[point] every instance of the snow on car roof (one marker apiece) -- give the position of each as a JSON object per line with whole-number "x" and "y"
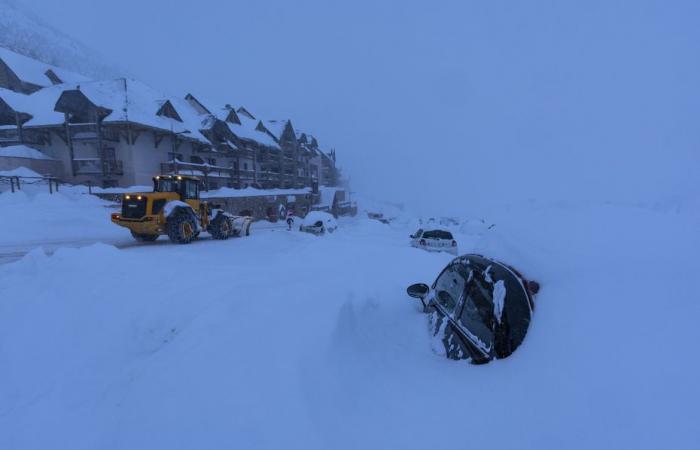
{"x": 315, "y": 216}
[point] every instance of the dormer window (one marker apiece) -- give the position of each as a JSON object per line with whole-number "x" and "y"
{"x": 168, "y": 110}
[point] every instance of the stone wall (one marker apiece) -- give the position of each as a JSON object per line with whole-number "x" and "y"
{"x": 266, "y": 207}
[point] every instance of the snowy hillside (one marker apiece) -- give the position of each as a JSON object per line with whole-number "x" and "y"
{"x": 24, "y": 33}
{"x": 287, "y": 340}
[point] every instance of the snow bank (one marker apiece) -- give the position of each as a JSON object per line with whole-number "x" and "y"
{"x": 34, "y": 217}
{"x": 22, "y": 151}
{"x": 20, "y": 172}
{"x": 317, "y": 340}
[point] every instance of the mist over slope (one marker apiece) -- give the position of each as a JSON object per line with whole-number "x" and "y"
{"x": 23, "y": 32}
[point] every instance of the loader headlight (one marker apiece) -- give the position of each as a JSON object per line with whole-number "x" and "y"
{"x": 139, "y": 197}
{"x": 128, "y": 197}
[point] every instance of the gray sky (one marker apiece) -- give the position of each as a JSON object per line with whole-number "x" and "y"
{"x": 516, "y": 99}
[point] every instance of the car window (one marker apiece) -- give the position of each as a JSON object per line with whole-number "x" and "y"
{"x": 418, "y": 233}
{"x": 449, "y": 288}
{"x": 438, "y": 234}
{"x": 477, "y": 310}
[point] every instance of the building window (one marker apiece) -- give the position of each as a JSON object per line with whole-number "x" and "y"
{"x": 245, "y": 166}
{"x": 211, "y": 161}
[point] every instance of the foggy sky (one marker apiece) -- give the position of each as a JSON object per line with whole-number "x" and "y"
{"x": 435, "y": 101}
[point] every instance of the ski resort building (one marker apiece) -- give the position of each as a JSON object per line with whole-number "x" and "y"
{"x": 121, "y": 132}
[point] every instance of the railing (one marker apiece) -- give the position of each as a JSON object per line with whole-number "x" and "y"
{"x": 94, "y": 166}
{"x": 88, "y": 132}
{"x": 16, "y": 182}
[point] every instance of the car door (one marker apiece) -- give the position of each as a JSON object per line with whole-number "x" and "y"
{"x": 448, "y": 290}
{"x": 475, "y": 318}
{"x": 446, "y": 298}
{"x": 452, "y": 295}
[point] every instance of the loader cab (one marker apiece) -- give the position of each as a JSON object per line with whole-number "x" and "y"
{"x": 186, "y": 187}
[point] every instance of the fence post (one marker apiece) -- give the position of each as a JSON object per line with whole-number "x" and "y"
{"x": 89, "y": 183}
{"x": 50, "y": 187}
{"x": 19, "y": 188}
{"x": 12, "y": 185}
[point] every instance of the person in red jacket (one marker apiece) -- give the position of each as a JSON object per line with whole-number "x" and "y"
{"x": 290, "y": 219}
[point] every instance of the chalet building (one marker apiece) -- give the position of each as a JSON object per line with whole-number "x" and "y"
{"x": 121, "y": 132}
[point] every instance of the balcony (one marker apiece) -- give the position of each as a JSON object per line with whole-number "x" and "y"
{"x": 95, "y": 166}
{"x": 87, "y": 132}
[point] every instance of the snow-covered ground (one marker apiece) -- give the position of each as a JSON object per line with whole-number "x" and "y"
{"x": 287, "y": 340}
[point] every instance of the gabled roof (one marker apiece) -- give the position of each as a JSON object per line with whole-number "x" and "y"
{"x": 168, "y": 110}
{"x": 12, "y": 107}
{"x": 74, "y": 101}
{"x": 276, "y": 127}
{"x": 35, "y": 72}
{"x": 196, "y": 104}
{"x": 245, "y": 112}
{"x": 39, "y": 105}
{"x": 246, "y": 129}
{"x": 127, "y": 100}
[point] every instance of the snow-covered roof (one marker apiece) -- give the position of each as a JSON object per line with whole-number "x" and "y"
{"x": 39, "y": 104}
{"x": 128, "y": 99}
{"x": 247, "y": 129}
{"x": 14, "y": 99}
{"x": 22, "y": 151}
{"x": 276, "y": 127}
{"x": 33, "y": 71}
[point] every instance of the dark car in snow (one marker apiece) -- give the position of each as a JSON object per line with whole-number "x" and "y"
{"x": 480, "y": 308}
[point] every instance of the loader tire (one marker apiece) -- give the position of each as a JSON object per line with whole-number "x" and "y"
{"x": 144, "y": 237}
{"x": 221, "y": 228}
{"x": 181, "y": 227}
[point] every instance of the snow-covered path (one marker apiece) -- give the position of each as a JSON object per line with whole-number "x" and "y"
{"x": 118, "y": 237}
{"x": 286, "y": 340}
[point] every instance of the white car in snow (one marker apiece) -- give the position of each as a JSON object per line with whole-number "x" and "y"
{"x": 318, "y": 223}
{"x": 434, "y": 241}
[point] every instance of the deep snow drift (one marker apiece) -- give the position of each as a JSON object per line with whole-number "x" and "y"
{"x": 287, "y": 340}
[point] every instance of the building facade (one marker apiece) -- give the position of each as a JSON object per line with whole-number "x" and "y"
{"x": 122, "y": 132}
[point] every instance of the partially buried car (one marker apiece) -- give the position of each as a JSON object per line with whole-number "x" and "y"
{"x": 480, "y": 308}
{"x": 434, "y": 241}
{"x": 318, "y": 223}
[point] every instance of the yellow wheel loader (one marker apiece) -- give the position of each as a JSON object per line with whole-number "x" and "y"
{"x": 174, "y": 208}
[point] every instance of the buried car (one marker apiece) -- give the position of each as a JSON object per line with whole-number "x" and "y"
{"x": 434, "y": 241}
{"x": 318, "y": 223}
{"x": 480, "y": 308}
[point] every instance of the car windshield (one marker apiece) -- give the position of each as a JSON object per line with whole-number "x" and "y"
{"x": 437, "y": 234}
{"x": 167, "y": 185}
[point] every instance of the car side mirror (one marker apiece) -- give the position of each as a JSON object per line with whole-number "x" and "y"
{"x": 418, "y": 290}
{"x": 411, "y": 236}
